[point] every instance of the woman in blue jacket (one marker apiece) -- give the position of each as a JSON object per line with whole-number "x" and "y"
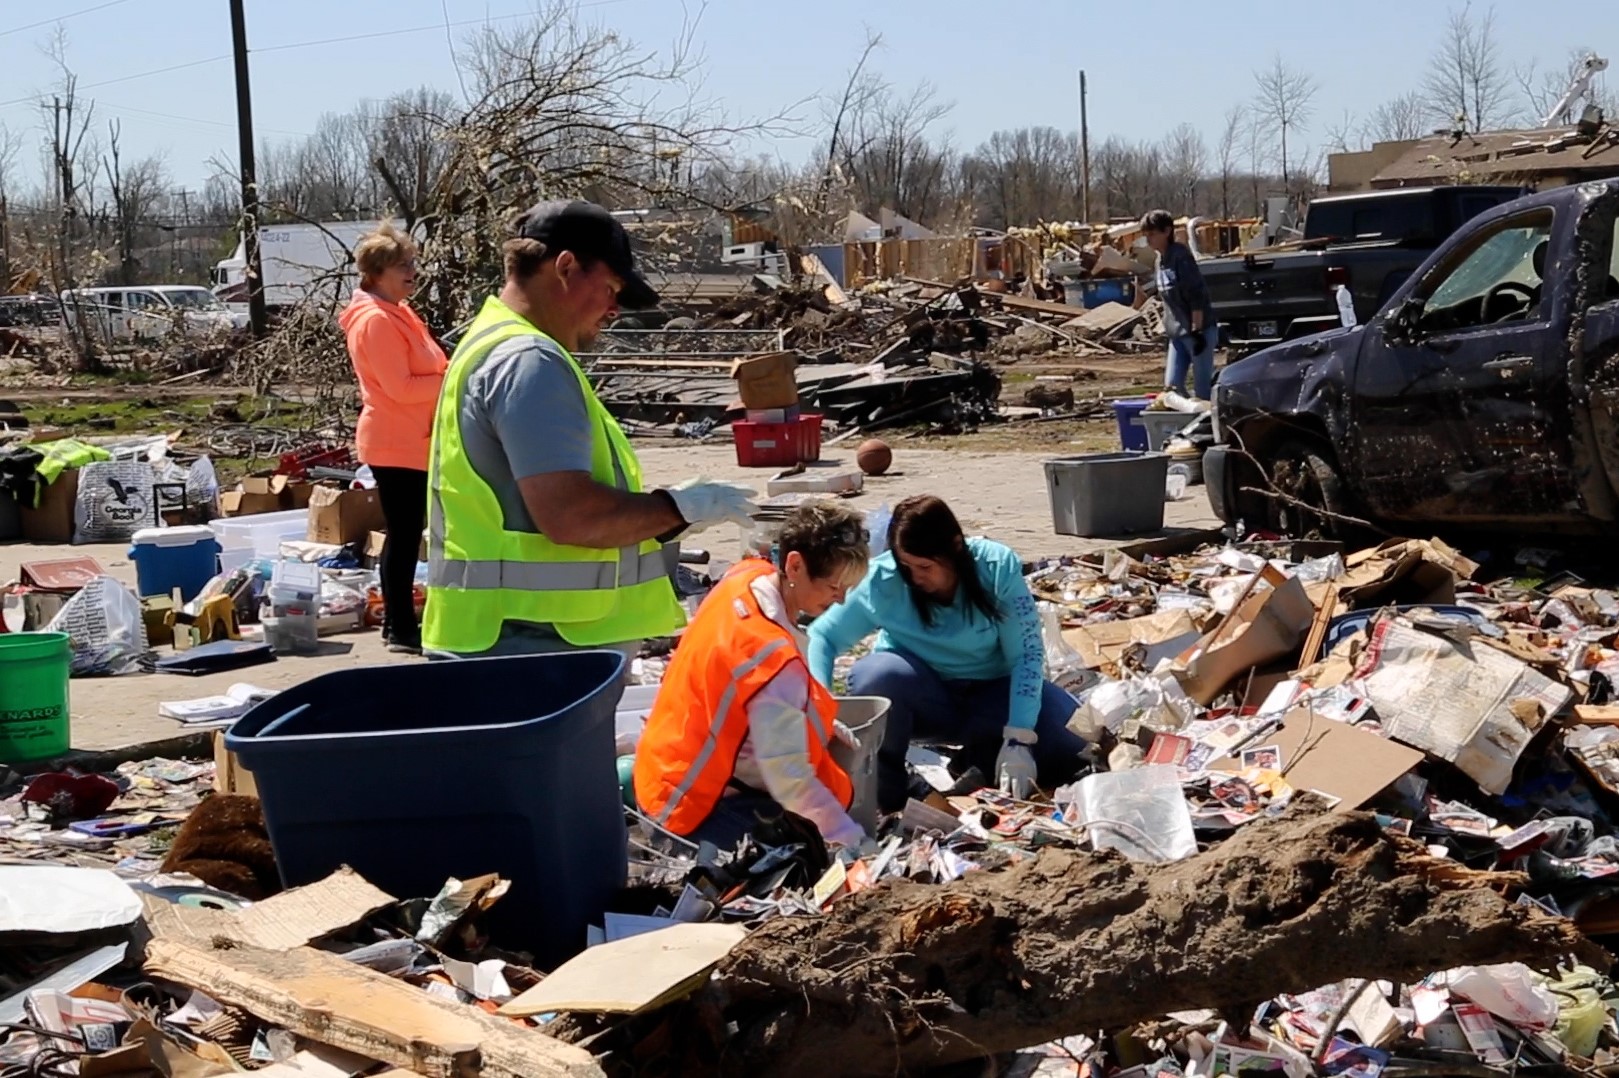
{"x": 959, "y": 654}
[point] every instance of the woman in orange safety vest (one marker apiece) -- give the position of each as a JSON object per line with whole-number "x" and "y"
{"x": 740, "y": 728}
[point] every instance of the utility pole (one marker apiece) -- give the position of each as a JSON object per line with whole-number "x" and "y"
{"x": 257, "y": 315}
{"x": 1084, "y": 153}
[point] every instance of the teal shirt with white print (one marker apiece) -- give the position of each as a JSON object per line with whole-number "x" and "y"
{"x": 961, "y": 644}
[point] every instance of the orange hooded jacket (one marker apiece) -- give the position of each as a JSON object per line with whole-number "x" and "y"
{"x": 400, "y": 368}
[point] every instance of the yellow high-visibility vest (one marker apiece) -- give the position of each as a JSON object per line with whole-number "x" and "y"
{"x": 480, "y": 574}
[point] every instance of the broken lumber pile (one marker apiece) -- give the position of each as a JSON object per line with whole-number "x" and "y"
{"x": 906, "y": 976}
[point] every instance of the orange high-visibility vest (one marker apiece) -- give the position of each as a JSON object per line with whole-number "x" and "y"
{"x": 731, "y": 650}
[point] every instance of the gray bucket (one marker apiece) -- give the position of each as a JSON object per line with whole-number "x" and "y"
{"x": 867, "y": 718}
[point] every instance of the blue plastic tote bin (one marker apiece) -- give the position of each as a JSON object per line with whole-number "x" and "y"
{"x": 1132, "y": 432}
{"x": 168, "y": 558}
{"x": 415, "y": 773}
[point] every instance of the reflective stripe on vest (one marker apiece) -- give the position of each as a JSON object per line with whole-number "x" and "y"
{"x": 722, "y": 711}
{"x": 632, "y": 567}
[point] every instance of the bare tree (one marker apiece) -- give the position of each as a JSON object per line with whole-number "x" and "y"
{"x": 67, "y": 125}
{"x": 1226, "y": 154}
{"x": 1542, "y": 90}
{"x": 409, "y": 150}
{"x": 1256, "y": 140}
{"x": 1344, "y": 135}
{"x": 1398, "y": 119}
{"x": 1283, "y": 101}
{"x": 1184, "y": 160}
{"x": 888, "y": 156}
{"x": 1019, "y": 177}
{"x": 858, "y": 92}
{"x": 136, "y": 191}
{"x": 1467, "y": 82}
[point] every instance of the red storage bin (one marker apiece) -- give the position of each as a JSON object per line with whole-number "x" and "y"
{"x": 777, "y": 445}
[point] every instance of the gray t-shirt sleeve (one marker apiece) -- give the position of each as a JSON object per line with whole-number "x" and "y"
{"x": 536, "y": 408}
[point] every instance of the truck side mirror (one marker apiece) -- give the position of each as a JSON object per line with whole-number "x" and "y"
{"x": 1404, "y": 323}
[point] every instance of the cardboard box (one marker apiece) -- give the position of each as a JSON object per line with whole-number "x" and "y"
{"x": 51, "y": 521}
{"x": 265, "y": 492}
{"x": 340, "y": 517}
{"x": 767, "y": 381}
{"x": 373, "y": 547}
{"x": 254, "y": 494}
{"x": 1268, "y": 624}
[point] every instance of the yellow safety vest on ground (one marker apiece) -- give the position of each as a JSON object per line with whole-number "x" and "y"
{"x": 480, "y": 574}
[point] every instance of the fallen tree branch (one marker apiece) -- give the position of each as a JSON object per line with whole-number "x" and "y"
{"x": 1072, "y": 942}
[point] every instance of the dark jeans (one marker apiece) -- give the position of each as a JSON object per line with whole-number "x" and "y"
{"x": 733, "y": 817}
{"x": 971, "y": 714}
{"x": 403, "y": 493}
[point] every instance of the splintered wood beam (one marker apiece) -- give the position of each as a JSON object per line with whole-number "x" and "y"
{"x": 325, "y": 998}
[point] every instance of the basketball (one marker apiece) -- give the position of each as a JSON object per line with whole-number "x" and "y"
{"x": 874, "y": 456}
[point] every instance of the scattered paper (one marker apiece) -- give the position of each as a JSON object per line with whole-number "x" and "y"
{"x": 1455, "y": 699}
{"x": 220, "y": 710}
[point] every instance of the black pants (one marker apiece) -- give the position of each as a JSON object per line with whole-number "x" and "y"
{"x": 403, "y": 493}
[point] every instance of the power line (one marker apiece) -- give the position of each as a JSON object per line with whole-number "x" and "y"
{"x": 417, "y": 29}
{"x": 60, "y": 18}
{"x": 295, "y": 45}
{"x": 277, "y": 48}
{"x": 192, "y": 119}
{"x": 122, "y": 78}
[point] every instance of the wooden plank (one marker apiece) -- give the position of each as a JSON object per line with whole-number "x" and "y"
{"x": 1318, "y": 629}
{"x": 327, "y": 999}
{"x": 1597, "y": 714}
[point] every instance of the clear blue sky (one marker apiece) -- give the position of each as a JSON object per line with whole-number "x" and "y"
{"x": 1151, "y": 63}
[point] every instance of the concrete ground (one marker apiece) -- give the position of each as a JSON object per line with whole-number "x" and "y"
{"x": 1001, "y": 495}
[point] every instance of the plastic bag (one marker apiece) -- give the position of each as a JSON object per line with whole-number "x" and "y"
{"x": 1141, "y": 813}
{"x": 107, "y": 632}
{"x": 1582, "y": 1011}
{"x": 115, "y": 501}
{"x": 1064, "y": 667}
{"x": 1510, "y": 991}
{"x": 877, "y": 521}
{"x": 1159, "y": 703}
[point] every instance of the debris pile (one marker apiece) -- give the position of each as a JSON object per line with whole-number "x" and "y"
{"x": 897, "y": 352}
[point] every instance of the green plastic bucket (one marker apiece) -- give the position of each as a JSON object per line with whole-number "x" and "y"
{"x": 33, "y": 696}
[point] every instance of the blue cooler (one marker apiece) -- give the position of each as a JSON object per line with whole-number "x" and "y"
{"x": 168, "y": 558}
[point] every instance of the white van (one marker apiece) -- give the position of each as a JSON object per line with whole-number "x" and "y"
{"x": 149, "y": 312}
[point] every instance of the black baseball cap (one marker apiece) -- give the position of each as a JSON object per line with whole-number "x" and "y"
{"x": 590, "y": 232}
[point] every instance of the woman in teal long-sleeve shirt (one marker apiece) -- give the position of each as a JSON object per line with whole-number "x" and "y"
{"x": 958, "y": 654}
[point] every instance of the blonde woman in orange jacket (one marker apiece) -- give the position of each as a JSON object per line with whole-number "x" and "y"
{"x": 400, "y": 368}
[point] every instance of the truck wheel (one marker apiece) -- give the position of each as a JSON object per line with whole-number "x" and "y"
{"x": 1315, "y": 502}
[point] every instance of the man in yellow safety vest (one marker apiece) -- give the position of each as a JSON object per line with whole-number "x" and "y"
{"x": 540, "y": 535}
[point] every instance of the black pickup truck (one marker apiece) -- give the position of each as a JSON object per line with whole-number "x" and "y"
{"x": 1369, "y": 243}
{"x": 1484, "y": 393}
